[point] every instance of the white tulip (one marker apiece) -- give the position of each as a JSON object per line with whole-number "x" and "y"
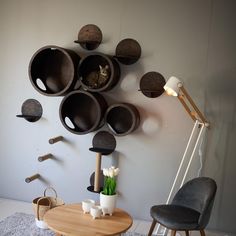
{"x": 116, "y": 171}
{"x": 105, "y": 172}
{"x": 111, "y": 172}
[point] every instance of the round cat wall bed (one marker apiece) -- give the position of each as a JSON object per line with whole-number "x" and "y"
{"x": 122, "y": 118}
{"x": 128, "y": 51}
{"x": 53, "y": 70}
{"x": 82, "y": 112}
{"x": 89, "y": 37}
{"x": 152, "y": 84}
{"x": 98, "y": 72}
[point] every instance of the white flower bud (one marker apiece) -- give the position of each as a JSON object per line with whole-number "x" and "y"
{"x": 111, "y": 172}
{"x": 105, "y": 172}
{"x": 116, "y": 171}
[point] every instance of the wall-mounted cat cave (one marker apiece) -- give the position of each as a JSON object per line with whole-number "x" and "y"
{"x": 31, "y": 110}
{"x": 53, "y": 70}
{"x": 152, "y": 84}
{"x": 122, "y": 118}
{"x": 82, "y": 112}
{"x": 98, "y": 72}
{"x": 89, "y": 37}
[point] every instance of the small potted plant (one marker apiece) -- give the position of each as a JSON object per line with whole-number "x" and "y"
{"x": 108, "y": 195}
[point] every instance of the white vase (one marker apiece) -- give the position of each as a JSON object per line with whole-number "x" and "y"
{"x": 108, "y": 203}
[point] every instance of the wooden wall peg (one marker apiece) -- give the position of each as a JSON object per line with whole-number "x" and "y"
{"x": 45, "y": 157}
{"x": 31, "y": 178}
{"x": 55, "y": 139}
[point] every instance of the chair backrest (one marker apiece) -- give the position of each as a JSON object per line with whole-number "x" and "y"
{"x": 197, "y": 194}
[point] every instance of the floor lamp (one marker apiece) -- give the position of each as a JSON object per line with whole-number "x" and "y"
{"x": 174, "y": 87}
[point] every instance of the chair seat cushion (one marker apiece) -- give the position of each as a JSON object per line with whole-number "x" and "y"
{"x": 175, "y": 217}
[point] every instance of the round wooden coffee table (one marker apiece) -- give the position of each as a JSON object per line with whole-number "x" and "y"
{"x": 70, "y": 220}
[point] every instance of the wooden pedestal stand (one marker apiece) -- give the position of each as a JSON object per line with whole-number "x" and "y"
{"x": 99, "y": 152}
{"x": 97, "y": 172}
{"x": 104, "y": 143}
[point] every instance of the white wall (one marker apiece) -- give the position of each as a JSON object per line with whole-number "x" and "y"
{"x": 194, "y": 40}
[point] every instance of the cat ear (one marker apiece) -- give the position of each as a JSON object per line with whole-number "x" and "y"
{"x": 100, "y": 67}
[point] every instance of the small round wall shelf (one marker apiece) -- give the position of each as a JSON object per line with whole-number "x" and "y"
{"x": 152, "y": 84}
{"x": 103, "y": 142}
{"x": 128, "y": 51}
{"x": 89, "y": 37}
{"x": 82, "y": 112}
{"x": 53, "y": 70}
{"x": 122, "y": 118}
{"x": 31, "y": 110}
{"x": 98, "y": 72}
{"x": 92, "y": 182}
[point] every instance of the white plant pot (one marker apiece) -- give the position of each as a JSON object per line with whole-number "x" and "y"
{"x": 87, "y": 204}
{"x": 108, "y": 203}
{"x": 96, "y": 211}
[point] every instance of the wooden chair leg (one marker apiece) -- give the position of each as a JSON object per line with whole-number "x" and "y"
{"x": 187, "y": 232}
{"x": 173, "y": 232}
{"x": 152, "y": 227}
{"x": 202, "y": 232}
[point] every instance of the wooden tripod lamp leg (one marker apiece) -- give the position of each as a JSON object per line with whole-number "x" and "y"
{"x": 97, "y": 172}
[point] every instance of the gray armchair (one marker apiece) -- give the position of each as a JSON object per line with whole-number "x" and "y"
{"x": 190, "y": 208}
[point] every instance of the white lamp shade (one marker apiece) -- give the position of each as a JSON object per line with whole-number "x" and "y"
{"x": 172, "y": 86}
